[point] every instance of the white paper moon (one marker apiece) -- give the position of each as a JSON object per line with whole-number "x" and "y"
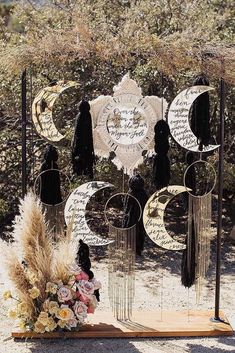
{"x": 42, "y": 110}
{"x": 178, "y": 119}
{"x": 75, "y": 209}
{"x": 153, "y": 217}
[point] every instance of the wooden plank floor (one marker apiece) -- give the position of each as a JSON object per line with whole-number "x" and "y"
{"x": 145, "y": 324}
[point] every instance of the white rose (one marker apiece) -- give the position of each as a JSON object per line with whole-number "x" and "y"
{"x": 86, "y": 287}
{"x": 64, "y": 294}
{"x": 71, "y": 323}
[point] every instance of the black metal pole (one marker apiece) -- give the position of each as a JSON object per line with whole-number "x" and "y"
{"x": 23, "y": 135}
{"x": 220, "y": 200}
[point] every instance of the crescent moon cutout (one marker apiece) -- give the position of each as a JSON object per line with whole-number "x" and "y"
{"x": 178, "y": 119}
{"x": 153, "y": 217}
{"x": 75, "y": 210}
{"x": 42, "y": 110}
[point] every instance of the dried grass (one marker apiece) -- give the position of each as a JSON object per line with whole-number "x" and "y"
{"x": 18, "y": 276}
{"x": 64, "y": 256}
{"x": 31, "y": 233}
{"x": 39, "y": 259}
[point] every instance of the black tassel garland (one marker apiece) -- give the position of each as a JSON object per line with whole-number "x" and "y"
{"x": 84, "y": 262}
{"x": 82, "y": 144}
{"x": 188, "y": 264}
{"x": 50, "y": 192}
{"x": 200, "y": 114}
{"x": 161, "y": 164}
{"x": 136, "y": 189}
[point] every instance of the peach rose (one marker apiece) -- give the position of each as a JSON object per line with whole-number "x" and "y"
{"x": 65, "y": 314}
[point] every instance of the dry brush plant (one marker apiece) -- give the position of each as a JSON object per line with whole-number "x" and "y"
{"x": 64, "y": 255}
{"x": 51, "y": 291}
{"x": 171, "y": 36}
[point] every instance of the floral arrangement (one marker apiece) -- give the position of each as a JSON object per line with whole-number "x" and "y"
{"x": 51, "y": 292}
{"x": 65, "y": 308}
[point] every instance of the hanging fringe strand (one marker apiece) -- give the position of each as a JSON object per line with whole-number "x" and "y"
{"x": 122, "y": 271}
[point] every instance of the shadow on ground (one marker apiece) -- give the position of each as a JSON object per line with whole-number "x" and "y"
{"x": 90, "y": 345}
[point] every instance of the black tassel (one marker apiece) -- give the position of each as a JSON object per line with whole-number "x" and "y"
{"x": 84, "y": 262}
{"x": 82, "y": 145}
{"x": 161, "y": 164}
{"x": 132, "y": 212}
{"x": 200, "y": 114}
{"x": 188, "y": 270}
{"x": 190, "y": 177}
{"x": 188, "y": 264}
{"x": 50, "y": 192}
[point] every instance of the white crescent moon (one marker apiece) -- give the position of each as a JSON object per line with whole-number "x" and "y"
{"x": 153, "y": 217}
{"x": 178, "y": 119}
{"x": 75, "y": 210}
{"x": 42, "y": 110}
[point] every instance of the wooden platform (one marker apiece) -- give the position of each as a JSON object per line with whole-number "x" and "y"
{"x": 144, "y": 324}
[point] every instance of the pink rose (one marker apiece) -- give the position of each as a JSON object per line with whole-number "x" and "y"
{"x": 82, "y": 276}
{"x": 64, "y": 294}
{"x": 84, "y": 299}
{"x": 90, "y": 309}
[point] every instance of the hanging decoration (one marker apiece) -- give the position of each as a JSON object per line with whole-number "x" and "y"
{"x": 82, "y": 144}
{"x": 178, "y": 120}
{"x": 136, "y": 189}
{"x": 153, "y": 217}
{"x": 124, "y": 123}
{"x": 199, "y": 219}
{"x": 50, "y": 192}
{"x": 200, "y": 117}
{"x": 188, "y": 264}
{"x": 161, "y": 164}
{"x": 84, "y": 262}
{"x": 122, "y": 210}
{"x": 52, "y": 186}
{"x": 75, "y": 211}
{"x": 42, "y": 110}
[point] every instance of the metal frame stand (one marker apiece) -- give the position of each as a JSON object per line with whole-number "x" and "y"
{"x": 220, "y": 202}
{"x": 216, "y": 317}
{"x": 24, "y": 134}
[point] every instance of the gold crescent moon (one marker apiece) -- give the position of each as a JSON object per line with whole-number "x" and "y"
{"x": 42, "y": 108}
{"x": 153, "y": 217}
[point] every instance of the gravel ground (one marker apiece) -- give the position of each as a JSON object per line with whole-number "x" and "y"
{"x": 157, "y": 277}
